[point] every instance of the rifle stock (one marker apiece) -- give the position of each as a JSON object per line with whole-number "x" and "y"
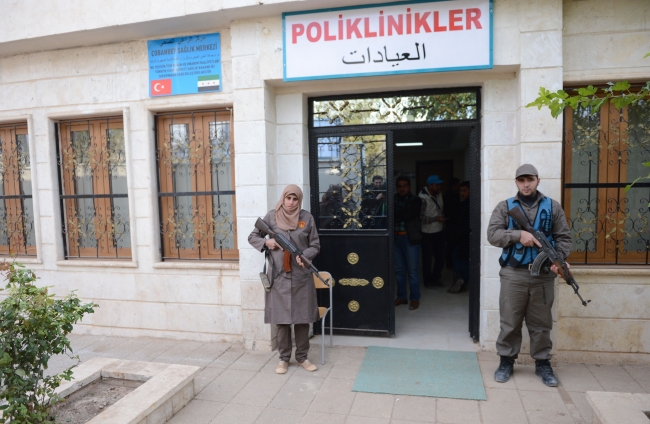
{"x": 518, "y": 215}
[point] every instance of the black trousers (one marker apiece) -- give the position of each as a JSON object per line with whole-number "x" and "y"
{"x": 433, "y": 247}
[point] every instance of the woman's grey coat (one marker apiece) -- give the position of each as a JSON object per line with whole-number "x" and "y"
{"x": 292, "y": 299}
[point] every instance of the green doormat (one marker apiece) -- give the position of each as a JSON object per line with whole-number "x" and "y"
{"x": 418, "y": 372}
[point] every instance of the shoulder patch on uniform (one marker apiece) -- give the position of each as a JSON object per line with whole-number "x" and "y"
{"x": 301, "y": 224}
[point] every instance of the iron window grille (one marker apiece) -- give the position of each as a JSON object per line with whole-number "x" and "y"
{"x": 17, "y": 235}
{"x": 394, "y": 108}
{"x": 196, "y": 185}
{"x": 93, "y": 186}
{"x": 602, "y": 155}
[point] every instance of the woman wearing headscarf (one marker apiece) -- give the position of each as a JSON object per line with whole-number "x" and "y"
{"x": 292, "y": 299}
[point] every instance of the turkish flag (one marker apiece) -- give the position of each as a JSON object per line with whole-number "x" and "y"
{"x": 161, "y": 87}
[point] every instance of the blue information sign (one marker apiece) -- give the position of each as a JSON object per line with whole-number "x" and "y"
{"x": 185, "y": 65}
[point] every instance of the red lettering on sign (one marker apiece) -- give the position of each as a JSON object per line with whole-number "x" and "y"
{"x": 408, "y": 21}
{"x": 319, "y": 32}
{"x": 473, "y": 15}
{"x": 398, "y": 25}
{"x": 454, "y": 18}
{"x": 421, "y": 22}
{"x": 328, "y": 36}
{"x": 366, "y": 29}
{"x": 296, "y": 31}
{"x": 387, "y": 25}
{"x": 353, "y": 27}
{"x": 436, "y": 25}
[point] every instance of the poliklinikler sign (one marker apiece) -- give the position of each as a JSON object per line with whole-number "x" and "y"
{"x": 390, "y": 38}
{"x": 185, "y": 65}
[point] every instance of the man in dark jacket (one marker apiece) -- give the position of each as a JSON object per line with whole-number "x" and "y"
{"x": 460, "y": 232}
{"x": 523, "y": 296}
{"x": 408, "y": 236}
{"x": 451, "y": 205}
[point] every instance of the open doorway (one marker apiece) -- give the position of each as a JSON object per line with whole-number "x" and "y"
{"x": 352, "y": 140}
{"x": 441, "y": 320}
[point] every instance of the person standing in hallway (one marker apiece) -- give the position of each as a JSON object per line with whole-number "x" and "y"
{"x": 433, "y": 235}
{"x": 292, "y": 299}
{"x": 523, "y": 296}
{"x": 451, "y": 208}
{"x": 459, "y": 231}
{"x": 408, "y": 237}
{"x": 373, "y": 204}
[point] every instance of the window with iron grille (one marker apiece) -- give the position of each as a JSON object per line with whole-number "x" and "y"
{"x": 602, "y": 155}
{"x": 94, "y": 195}
{"x": 196, "y": 185}
{"x": 16, "y": 205}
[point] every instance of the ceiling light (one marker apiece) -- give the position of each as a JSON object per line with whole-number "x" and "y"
{"x": 408, "y": 144}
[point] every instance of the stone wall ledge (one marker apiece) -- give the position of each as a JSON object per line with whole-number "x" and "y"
{"x": 615, "y": 408}
{"x": 197, "y": 265}
{"x": 630, "y": 271}
{"x": 23, "y": 260}
{"x": 97, "y": 263}
{"x": 601, "y": 358}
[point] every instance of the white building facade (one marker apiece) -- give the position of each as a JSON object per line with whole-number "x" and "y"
{"x": 67, "y": 65}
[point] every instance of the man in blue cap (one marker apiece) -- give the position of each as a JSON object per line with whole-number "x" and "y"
{"x": 433, "y": 236}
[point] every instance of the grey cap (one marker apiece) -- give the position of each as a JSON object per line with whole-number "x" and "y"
{"x": 526, "y": 169}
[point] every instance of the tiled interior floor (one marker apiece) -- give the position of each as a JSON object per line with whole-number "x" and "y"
{"x": 241, "y": 387}
{"x": 441, "y": 323}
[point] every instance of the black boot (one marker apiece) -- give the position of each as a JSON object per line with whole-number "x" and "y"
{"x": 502, "y": 374}
{"x": 545, "y": 372}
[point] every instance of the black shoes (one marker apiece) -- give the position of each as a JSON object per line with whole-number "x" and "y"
{"x": 503, "y": 373}
{"x": 545, "y": 372}
{"x": 542, "y": 369}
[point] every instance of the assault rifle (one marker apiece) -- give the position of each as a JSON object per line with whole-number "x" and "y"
{"x": 288, "y": 246}
{"x": 548, "y": 255}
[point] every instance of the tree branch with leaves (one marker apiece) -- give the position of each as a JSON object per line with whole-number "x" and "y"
{"x": 619, "y": 94}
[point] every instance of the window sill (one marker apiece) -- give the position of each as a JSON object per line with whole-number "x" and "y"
{"x": 630, "y": 271}
{"x": 80, "y": 263}
{"x": 197, "y": 265}
{"x": 23, "y": 260}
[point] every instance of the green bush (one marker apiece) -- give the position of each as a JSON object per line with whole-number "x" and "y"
{"x": 33, "y": 328}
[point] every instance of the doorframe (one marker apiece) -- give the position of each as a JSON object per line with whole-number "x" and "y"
{"x": 315, "y": 201}
{"x": 475, "y": 178}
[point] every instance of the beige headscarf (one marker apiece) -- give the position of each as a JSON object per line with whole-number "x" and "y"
{"x": 288, "y": 219}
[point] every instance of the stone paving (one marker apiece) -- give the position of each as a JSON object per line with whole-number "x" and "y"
{"x": 238, "y": 386}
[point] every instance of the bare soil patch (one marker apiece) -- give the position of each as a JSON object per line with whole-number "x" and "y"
{"x": 88, "y": 402}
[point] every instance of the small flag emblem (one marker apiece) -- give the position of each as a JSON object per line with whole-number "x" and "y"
{"x": 208, "y": 83}
{"x": 161, "y": 87}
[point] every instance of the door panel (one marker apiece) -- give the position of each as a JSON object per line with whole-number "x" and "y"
{"x": 362, "y": 292}
{"x": 353, "y": 217}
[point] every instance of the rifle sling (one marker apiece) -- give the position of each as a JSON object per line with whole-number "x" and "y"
{"x": 269, "y": 257}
